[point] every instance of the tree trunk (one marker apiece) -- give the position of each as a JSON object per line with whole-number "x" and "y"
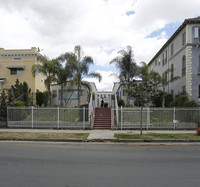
{"x": 61, "y": 96}
{"x": 79, "y": 96}
{"x": 49, "y": 97}
{"x": 163, "y": 100}
{"x": 141, "y": 120}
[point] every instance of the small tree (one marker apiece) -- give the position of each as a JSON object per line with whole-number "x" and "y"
{"x": 143, "y": 92}
{"x": 20, "y": 92}
{"x": 3, "y": 104}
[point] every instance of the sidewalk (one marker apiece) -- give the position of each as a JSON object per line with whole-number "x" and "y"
{"x": 99, "y": 134}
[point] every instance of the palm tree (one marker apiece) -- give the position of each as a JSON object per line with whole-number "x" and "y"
{"x": 127, "y": 66}
{"x": 79, "y": 66}
{"x": 48, "y": 69}
{"x": 163, "y": 80}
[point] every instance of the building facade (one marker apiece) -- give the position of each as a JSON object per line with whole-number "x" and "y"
{"x": 70, "y": 94}
{"x": 181, "y": 54}
{"x": 17, "y": 64}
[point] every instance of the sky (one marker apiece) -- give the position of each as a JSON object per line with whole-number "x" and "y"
{"x": 101, "y": 27}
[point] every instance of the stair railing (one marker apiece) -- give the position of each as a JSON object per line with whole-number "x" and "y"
{"x": 117, "y": 109}
{"x": 91, "y": 110}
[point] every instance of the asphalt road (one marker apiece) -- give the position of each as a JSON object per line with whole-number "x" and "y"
{"x": 66, "y": 165}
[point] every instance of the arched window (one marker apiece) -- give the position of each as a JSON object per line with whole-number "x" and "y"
{"x": 172, "y": 71}
{"x": 183, "y": 66}
{"x": 199, "y": 65}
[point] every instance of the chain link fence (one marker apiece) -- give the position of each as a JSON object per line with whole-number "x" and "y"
{"x": 60, "y": 118}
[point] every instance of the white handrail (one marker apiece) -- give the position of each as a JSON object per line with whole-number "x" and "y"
{"x": 116, "y": 108}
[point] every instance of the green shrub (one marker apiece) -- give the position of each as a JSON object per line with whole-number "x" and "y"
{"x": 191, "y": 103}
{"x": 41, "y": 98}
{"x": 19, "y": 114}
{"x": 18, "y": 104}
{"x": 168, "y": 99}
{"x": 3, "y": 104}
{"x": 121, "y": 103}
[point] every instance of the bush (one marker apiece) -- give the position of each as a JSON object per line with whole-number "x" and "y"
{"x": 179, "y": 101}
{"x": 18, "y": 104}
{"x": 168, "y": 99}
{"x": 198, "y": 131}
{"x": 121, "y": 103}
{"x": 191, "y": 103}
{"x": 3, "y": 104}
{"x": 41, "y": 98}
{"x": 19, "y": 114}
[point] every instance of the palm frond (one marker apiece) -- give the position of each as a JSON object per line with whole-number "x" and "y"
{"x": 95, "y": 75}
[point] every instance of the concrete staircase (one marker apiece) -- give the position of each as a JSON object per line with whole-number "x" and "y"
{"x": 102, "y": 118}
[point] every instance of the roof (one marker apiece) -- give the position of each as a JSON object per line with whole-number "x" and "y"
{"x": 187, "y": 21}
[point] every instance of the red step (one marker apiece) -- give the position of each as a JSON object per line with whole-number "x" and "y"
{"x": 102, "y": 118}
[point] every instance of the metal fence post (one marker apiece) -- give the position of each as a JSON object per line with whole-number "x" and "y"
{"x": 83, "y": 118}
{"x": 174, "y": 118}
{"x": 32, "y": 117}
{"x": 121, "y": 117}
{"x": 7, "y": 117}
{"x": 58, "y": 118}
{"x": 148, "y": 118}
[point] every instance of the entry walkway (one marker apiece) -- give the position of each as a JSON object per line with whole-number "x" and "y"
{"x": 99, "y": 134}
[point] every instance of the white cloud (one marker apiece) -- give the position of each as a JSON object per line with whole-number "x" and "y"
{"x": 101, "y": 27}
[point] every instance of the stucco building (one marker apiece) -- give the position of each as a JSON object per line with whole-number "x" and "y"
{"x": 70, "y": 94}
{"x": 16, "y": 64}
{"x": 181, "y": 53}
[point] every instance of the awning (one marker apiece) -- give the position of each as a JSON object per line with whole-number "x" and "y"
{"x": 15, "y": 67}
{"x": 2, "y": 79}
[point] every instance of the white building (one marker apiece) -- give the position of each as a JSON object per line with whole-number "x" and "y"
{"x": 182, "y": 54}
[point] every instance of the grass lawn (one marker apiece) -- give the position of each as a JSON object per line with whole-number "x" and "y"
{"x": 157, "y": 136}
{"x": 33, "y": 135}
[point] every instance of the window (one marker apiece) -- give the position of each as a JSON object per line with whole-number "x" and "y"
{"x": 183, "y": 90}
{"x": 172, "y": 49}
{"x": 156, "y": 62}
{"x": 196, "y": 34}
{"x": 163, "y": 59}
{"x": 199, "y": 91}
{"x": 17, "y": 58}
{"x": 82, "y": 92}
{"x": 183, "y": 38}
{"x": 183, "y": 66}
{"x": 124, "y": 93}
{"x": 16, "y": 71}
{"x": 159, "y": 61}
{"x": 172, "y": 71}
{"x": 199, "y": 66}
{"x": 172, "y": 92}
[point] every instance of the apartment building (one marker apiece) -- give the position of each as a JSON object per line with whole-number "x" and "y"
{"x": 181, "y": 53}
{"x": 17, "y": 64}
{"x": 70, "y": 94}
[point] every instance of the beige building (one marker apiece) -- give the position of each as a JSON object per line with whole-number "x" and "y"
{"x": 70, "y": 94}
{"x": 16, "y": 64}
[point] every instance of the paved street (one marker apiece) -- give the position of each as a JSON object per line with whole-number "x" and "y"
{"x": 26, "y": 164}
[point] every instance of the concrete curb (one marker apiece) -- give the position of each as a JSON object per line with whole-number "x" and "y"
{"x": 102, "y": 140}
{"x": 41, "y": 140}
